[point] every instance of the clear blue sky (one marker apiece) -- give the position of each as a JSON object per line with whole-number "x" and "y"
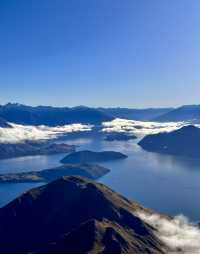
{"x": 135, "y": 53}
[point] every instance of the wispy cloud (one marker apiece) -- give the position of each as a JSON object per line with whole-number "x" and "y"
{"x": 140, "y": 128}
{"x": 20, "y": 133}
{"x": 178, "y": 234}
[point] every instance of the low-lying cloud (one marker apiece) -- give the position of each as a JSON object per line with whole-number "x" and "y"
{"x": 20, "y": 133}
{"x": 140, "y": 128}
{"x": 178, "y": 234}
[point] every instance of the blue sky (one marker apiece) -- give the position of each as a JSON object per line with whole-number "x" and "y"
{"x": 134, "y": 53}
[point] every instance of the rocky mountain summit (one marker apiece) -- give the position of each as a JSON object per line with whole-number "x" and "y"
{"x": 75, "y": 215}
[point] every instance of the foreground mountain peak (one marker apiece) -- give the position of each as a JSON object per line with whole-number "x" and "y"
{"x": 75, "y": 215}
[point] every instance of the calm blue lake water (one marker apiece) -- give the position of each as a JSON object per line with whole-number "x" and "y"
{"x": 164, "y": 183}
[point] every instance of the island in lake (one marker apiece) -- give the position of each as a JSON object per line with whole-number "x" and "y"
{"x": 76, "y": 215}
{"x": 119, "y": 136}
{"x": 90, "y": 157}
{"x": 30, "y": 148}
{"x": 182, "y": 142}
{"x": 86, "y": 170}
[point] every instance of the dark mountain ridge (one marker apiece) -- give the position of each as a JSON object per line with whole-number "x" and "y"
{"x": 185, "y": 113}
{"x": 146, "y": 114}
{"x": 51, "y": 116}
{"x": 4, "y": 124}
{"x": 75, "y": 215}
{"x": 184, "y": 142}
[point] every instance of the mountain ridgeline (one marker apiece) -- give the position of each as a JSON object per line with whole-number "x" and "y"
{"x": 75, "y": 215}
{"x": 185, "y": 113}
{"x": 54, "y": 116}
{"x": 51, "y": 116}
{"x": 146, "y": 114}
{"x": 183, "y": 142}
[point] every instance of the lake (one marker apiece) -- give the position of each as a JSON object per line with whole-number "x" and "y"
{"x": 165, "y": 183}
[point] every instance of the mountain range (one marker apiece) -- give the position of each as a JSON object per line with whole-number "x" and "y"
{"x": 54, "y": 116}
{"x": 51, "y": 116}
{"x": 136, "y": 114}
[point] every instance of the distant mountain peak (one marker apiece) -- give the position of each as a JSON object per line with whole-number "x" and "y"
{"x": 15, "y": 104}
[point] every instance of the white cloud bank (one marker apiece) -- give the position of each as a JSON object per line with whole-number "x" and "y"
{"x": 20, "y": 133}
{"x": 178, "y": 234}
{"x": 140, "y": 128}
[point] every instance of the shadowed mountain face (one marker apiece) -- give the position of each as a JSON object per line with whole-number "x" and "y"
{"x": 89, "y": 156}
{"x": 75, "y": 215}
{"x": 184, "y": 113}
{"x": 136, "y": 114}
{"x": 51, "y": 116}
{"x": 86, "y": 170}
{"x": 4, "y": 124}
{"x": 183, "y": 142}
